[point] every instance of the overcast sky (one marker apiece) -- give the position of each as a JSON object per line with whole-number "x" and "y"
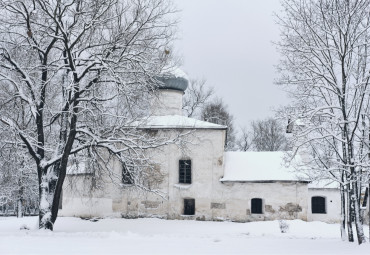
{"x": 229, "y": 43}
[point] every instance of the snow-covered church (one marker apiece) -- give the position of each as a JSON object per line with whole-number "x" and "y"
{"x": 204, "y": 182}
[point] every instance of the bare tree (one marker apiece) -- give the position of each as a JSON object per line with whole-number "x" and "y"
{"x": 217, "y": 112}
{"x": 324, "y": 47}
{"x": 268, "y": 135}
{"x": 79, "y": 73}
{"x": 243, "y": 142}
{"x": 197, "y": 95}
{"x": 18, "y": 179}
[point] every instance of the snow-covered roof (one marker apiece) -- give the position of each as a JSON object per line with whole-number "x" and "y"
{"x": 175, "y": 121}
{"x": 323, "y": 184}
{"x": 258, "y": 167}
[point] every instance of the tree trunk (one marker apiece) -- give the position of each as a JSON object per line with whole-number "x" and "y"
{"x": 47, "y": 196}
{"x": 58, "y": 190}
{"x": 20, "y": 197}
{"x": 349, "y": 218}
{"x": 46, "y": 201}
{"x": 356, "y": 203}
{"x": 343, "y": 213}
{"x": 19, "y": 209}
{"x": 50, "y": 194}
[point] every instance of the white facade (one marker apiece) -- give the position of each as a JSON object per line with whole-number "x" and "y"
{"x": 332, "y": 204}
{"x": 219, "y": 190}
{"x": 168, "y": 102}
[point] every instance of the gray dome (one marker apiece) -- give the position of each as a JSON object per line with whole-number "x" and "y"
{"x": 176, "y": 83}
{"x": 174, "y": 78}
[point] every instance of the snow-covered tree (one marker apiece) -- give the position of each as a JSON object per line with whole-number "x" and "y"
{"x": 268, "y": 135}
{"x": 196, "y": 97}
{"x": 18, "y": 179}
{"x": 75, "y": 76}
{"x": 243, "y": 141}
{"x": 217, "y": 112}
{"x": 325, "y": 67}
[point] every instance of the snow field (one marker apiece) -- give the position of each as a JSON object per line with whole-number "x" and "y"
{"x": 155, "y": 236}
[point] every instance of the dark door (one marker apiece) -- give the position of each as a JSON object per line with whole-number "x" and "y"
{"x": 189, "y": 206}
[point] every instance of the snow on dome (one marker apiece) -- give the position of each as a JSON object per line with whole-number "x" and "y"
{"x": 173, "y": 78}
{"x": 176, "y": 121}
{"x": 258, "y": 166}
{"x": 174, "y": 72}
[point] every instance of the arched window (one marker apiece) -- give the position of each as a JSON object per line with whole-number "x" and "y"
{"x": 256, "y": 205}
{"x": 318, "y": 204}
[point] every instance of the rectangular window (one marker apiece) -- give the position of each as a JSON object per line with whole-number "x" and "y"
{"x": 256, "y": 205}
{"x": 189, "y": 206}
{"x": 318, "y": 205}
{"x": 184, "y": 171}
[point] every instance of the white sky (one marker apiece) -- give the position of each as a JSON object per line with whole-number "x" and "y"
{"x": 229, "y": 43}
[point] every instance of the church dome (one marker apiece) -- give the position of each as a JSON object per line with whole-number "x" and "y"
{"x": 173, "y": 78}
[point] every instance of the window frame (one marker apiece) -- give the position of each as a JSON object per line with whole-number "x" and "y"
{"x": 186, "y": 177}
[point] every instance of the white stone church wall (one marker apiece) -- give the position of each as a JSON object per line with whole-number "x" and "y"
{"x": 213, "y": 200}
{"x": 279, "y": 200}
{"x": 332, "y": 205}
{"x": 205, "y": 149}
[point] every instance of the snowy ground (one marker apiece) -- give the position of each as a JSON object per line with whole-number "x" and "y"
{"x": 155, "y": 236}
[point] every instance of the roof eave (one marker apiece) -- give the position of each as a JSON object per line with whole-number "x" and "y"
{"x": 264, "y": 181}
{"x": 169, "y": 127}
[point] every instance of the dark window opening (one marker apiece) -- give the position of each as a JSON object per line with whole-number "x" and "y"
{"x": 126, "y": 175}
{"x": 256, "y": 205}
{"x": 318, "y": 205}
{"x": 189, "y": 206}
{"x": 184, "y": 171}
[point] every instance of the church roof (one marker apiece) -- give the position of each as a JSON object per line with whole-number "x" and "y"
{"x": 258, "y": 167}
{"x": 323, "y": 184}
{"x": 177, "y": 122}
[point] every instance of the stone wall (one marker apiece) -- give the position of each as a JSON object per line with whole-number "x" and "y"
{"x": 213, "y": 200}
{"x": 279, "y": 200}
{"x": 332, "y": 199}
